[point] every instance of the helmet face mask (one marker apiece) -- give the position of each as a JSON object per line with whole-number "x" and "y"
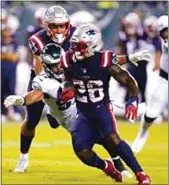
{"x": 57, "y": 23}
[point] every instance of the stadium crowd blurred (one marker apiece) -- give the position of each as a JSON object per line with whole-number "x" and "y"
{"x": 127, "y": 27}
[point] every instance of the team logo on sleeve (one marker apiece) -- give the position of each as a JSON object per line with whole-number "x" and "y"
{"x": 114, "y": 58}
{"x": 35, "y": 85}
{"x": 32, "y": 46}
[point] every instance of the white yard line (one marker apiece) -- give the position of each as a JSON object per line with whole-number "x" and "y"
{"x": 8, "y": 144}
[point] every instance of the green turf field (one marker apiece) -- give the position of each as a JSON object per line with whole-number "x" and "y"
{"x": 52, "y": 160}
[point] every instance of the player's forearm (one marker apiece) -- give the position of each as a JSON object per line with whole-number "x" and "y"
{"x": 37, "y": 64}
{"x": 157, "y": 60}
{"x": 124, "y": 77}
{"x": 132, "y": 85}
{"x": 33, "y": 97}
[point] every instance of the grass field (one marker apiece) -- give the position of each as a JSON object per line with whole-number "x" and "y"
{"x": 52, "y": 160}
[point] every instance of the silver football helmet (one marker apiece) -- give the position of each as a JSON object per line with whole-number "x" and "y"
{"x": 85, "y": 41}
{"x": 57, "y": 23}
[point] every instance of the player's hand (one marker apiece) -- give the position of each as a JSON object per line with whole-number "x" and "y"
{"x": 131, "y": 108}
{"x": 139, "y": 56}
{"x": 14, "y": 100}
{"x": 67, "y": 94}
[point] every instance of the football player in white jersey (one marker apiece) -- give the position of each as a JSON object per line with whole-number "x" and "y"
{"x": 159, "y": 99}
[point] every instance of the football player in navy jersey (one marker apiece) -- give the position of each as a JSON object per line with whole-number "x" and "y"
{"x": 90, "y": 69}
{"x": 57, "y": 30}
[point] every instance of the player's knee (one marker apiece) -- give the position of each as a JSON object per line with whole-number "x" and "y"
{"x": 85, "y": 154}
{"x": 52, "y": 121}
{"x": 113, "y": 139}
{"x": 28, "y": 131}
{"x": 148, "y": 119}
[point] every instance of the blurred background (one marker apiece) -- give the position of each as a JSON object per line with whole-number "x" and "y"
{"x": 127, "y": 27}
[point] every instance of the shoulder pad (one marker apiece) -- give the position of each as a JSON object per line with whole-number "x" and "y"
{"x": 65, "y": 60}
{"x": 46, "y": 85}
{"x": 108, "y": 58}
{"x": 36, "y": 44}
{"x": 36, "y": 83}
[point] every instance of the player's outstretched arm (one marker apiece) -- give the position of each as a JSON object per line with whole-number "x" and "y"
{"x": 126, "y": 79}
{"x": 28, "y": 99}
{"x": 134, "y": 58}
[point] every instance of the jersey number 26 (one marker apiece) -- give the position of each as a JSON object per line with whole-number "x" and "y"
{"x": 92, "y": 90}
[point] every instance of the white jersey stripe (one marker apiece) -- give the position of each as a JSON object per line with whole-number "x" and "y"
{"x": 105, "y": 59}
{"x": 38, "y": 41}
{"x": 64, "y": 60}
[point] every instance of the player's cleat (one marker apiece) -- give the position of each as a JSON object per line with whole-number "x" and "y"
{"x": 22, "y": 164}
{"x": 111, "y": 171}
{"x": 121, "y": 168}
{"x": 139, "y": 142}
{"x": 142, "y": 178}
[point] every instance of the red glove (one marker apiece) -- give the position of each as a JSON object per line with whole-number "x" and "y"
{"x": 131, "y": 108}
{"x": 67, "y": 94}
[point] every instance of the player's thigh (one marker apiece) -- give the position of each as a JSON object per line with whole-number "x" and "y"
{"x": 158, "y": 100}
{"x": 34, "y": 111}
{"x": 107, "y": 120}
{"x": 83, "y": 136}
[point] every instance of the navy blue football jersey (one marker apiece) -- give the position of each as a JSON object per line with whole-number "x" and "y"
{"x": 90, "y": 78}
{"x": 40, "y": 39}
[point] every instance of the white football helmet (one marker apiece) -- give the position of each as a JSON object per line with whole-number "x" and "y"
{"x": 39, "y": 15}
{"x": 162, "y": 22}
{"x": 82, "y": 17}
{"x": 162, "y": 26}
{"x": 150, "y": 26}
{"x": 85, "y": 41}
{"x": 131, "y": 23}
{"x": 54, "y": 16}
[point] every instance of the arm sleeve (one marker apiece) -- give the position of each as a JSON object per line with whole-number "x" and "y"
{"x": 33, "y": 47}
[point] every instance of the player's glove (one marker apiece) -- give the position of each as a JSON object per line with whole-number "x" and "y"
{"x": 139, "y": 56}
{"x": 131, "y": 108}
{"x": 67, "y": 94}
{"x": 14, "y": 100}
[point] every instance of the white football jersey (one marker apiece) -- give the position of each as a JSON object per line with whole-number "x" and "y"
{"x": 64, "y": 112}
{"x": 164, "y": 59}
